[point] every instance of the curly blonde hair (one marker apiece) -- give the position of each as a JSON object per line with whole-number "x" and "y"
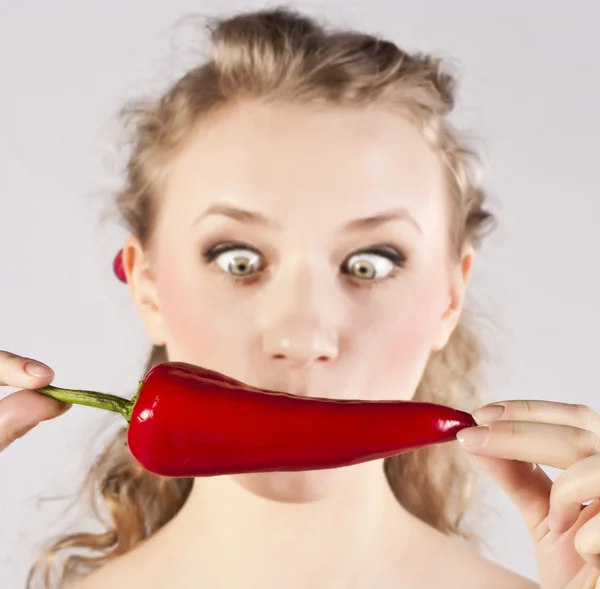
{"x": 279, "y": 54}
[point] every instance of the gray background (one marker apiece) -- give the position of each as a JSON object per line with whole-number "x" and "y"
{"x": 530, "y": 89}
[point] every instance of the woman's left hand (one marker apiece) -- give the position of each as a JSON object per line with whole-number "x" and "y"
{"x": 565, "y": 533}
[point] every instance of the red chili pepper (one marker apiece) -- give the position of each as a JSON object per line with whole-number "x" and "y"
{"x": 188, "y": 421}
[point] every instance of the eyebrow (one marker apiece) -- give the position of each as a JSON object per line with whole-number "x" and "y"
{"x": 256, "y": 218}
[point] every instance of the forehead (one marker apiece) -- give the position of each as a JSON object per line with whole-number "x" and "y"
{"x": 290, "y": 161}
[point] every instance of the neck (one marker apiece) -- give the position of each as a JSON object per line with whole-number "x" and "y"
{"x": 227, "y": 536}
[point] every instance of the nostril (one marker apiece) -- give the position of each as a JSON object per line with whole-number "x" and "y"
{"x": 323, "y": 358}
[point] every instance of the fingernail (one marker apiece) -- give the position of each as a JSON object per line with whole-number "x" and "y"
{"x": 488, "y": 413}
{"x": 37, "y": 369}
{"x": 472, "y": 437}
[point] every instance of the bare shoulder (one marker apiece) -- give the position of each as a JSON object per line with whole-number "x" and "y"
{"x": 459, "y": 566}
{"x": 100, "y": 579}
{"x": 493, "y": 576}
{"x": 477, "y": 572}
{"x": 123, "y": 571}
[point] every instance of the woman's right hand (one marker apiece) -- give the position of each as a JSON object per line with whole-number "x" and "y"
{"x": 22, "y": 410}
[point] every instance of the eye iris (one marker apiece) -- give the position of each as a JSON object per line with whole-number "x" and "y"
{"x": 363, "y": 269}
{"x": 240, "y": 265}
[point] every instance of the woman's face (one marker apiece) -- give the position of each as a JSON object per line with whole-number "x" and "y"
{"x": 303, "y": 251}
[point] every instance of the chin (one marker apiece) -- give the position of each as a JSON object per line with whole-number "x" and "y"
{"x": 295, "y": 487}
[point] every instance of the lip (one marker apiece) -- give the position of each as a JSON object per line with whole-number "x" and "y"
{"x": 310, "y": 395}
{"x": 298, "y": 390}
{"x": 299, "y": 393}
{"x": 303, "y": 392}
{"x": 295, "y": 392}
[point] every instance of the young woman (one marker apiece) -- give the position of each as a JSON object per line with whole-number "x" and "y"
{"x": 304, "y": 218}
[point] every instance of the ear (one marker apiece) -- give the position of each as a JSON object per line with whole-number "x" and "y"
{"x": 143, "y": 289}
{"x": 459, "y": 280}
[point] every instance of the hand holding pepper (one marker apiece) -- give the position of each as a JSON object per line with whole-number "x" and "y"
{"x": 565, "y": 533}
{"x": 22, "y": 410}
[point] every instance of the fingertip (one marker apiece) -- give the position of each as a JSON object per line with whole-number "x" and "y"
{"x": 37, "y": 369}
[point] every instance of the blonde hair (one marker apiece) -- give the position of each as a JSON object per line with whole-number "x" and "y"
{"x": 279, "y": 54}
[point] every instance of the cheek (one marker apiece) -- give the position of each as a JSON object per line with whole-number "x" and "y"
{"x": 190, "y": 332}
{"x": 201, "y": 327}
{"x": 400, "y": 348}
{"x": 409, "y": 340}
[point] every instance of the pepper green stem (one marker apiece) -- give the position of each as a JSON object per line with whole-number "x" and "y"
{"x": 93, "y": 399}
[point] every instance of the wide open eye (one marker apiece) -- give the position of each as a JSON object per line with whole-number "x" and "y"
{"x": 238, "y": 261}
{"x": 373, "y": 263}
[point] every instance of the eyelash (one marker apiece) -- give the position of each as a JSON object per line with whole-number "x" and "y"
{"x": 392, "y": 254}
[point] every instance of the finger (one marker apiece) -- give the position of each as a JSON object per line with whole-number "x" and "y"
{"x": 558, "y": 446}
{"x": 22, "y": 411}
{"x": 528, "y": 487}
{"x": 17, "y": 371}
{"x": 587, "y": 538}
{"x": 575, "y": 415}
{"x": 578, "y": 484}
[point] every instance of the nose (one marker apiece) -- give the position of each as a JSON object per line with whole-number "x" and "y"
{"x": 299, "y": 343}
{"x": 300, "y": 322}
